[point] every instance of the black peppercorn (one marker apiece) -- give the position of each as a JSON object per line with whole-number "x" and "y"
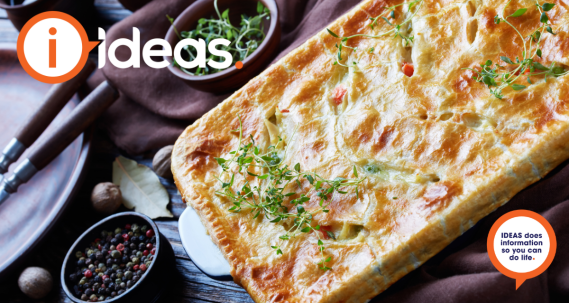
{"x": 101, "y": 291}
{"x": 81, "y": 262}
{"x": 120, "y": 292}
{"x": 116, "y": 261}
{"x": 114, "y": 241}
{"x": 129, "y": 284}
{"x": 88, "y": 291}
{"x": 92, "y": 257}
{"x": 109, "y": 262}
{"x": 126, "y": 243}
{"x": 142, "y": 238}
{"x": 135, "y": 278}
{"x": 88, "y": 261}
{"x": 98, "y": 279}
{"x": 125, "y": 259}
{"x": 113, "y": 294}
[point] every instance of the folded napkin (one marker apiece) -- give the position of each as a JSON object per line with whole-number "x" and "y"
{"x": 155, "y": 107}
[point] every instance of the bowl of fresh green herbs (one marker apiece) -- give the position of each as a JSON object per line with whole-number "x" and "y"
{"x": 252, "y": 27}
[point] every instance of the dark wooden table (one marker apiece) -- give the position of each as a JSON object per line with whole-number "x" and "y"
{"x": 190, "y": 285}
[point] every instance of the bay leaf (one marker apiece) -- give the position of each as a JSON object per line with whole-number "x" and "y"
{"x": 141, "y": 189}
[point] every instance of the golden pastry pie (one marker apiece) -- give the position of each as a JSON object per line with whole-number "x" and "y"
{"x": 437, "y": 149}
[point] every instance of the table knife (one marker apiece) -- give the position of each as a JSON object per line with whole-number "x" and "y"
{"x": 45, "y": 151}
{"x": 54, "y": 101}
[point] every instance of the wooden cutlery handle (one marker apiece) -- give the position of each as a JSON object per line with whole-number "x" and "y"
{"x": 82, "y": 116}
{"x": 54, "y": 101}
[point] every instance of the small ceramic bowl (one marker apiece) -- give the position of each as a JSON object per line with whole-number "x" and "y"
{"x": 153, "y": 282}
{"x": 231, "y": 78}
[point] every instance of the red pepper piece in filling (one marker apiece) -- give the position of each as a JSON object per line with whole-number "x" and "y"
{"x": 339, "y": 93}
{"x": 324, "y": 232}
{"x": 408, "y": 69}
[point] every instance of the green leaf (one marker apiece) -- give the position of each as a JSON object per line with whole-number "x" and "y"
{"x": 305, "y": 230}
{"x": 543, "y": 18}
{"x": 519, "y": 12}
{"x": 518, "y": 86}
{"x": 225, "y": 14}
{"x": 497, "y": 19}
{"x": 263, "y": 177}
{"x": 290, "y": 194}
{"x": 300, "y": 209}
{"x": 202, "y": 21}
{"x": 232, "y": 179}
{"x": 506, "y": 59}
{"x": 539, "y": 66}
{"x": 538, "y": 52}
{"x": 317, "y": 227}
{"x": 260, "y": 7}
{"x": 251, "y": 174}
{"x": 489, "y": 81}
{"x": 331, "y": 234}
{"x": 488, "y": 62}
{"x": 278, "y": 219}
{"x": 392, "y": 14}
{"x": 547, "y": 6}
{"x": 355, "y": 172}
{"x": 387, "y": 21}
{"x": 549, "y": 30}
{"x": 320, "y": 242}
{"x": 297, "y": 167}
{"x": 310, "y": 179}
{"x": 332, "y": 33}
{"x": 256, "y": 151}
{"x": 220, "y": 160}
{"x": 328, "y": 259}
{"x": 557, "y": 71}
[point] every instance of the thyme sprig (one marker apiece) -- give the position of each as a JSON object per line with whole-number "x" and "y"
{"x": 389, "y": 12}
{"x": 500, "y": 77}
{"x": 244, "y": 39}
{"x": 267, "y": 196}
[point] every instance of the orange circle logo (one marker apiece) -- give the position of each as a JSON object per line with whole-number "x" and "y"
{"x": 53, "y": 47}
{"x": 521, "y": 245}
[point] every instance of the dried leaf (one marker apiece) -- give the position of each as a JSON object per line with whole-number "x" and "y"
{"x": 141, "y": 189}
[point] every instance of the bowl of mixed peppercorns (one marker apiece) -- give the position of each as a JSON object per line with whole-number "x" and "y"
{"x": 122, "y": 258}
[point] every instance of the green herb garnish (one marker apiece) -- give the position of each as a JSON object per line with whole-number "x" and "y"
{"x": 500, "y": 77}
{"x": 414, "y": 7}
{"x": 244, "y": 40}
{"x": 267, "y": 196}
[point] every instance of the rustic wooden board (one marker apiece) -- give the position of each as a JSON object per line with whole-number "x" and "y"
{"x": 191, "y": 285}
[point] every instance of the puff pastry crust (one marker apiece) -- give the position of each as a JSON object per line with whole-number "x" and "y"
{"x": 450, "y": 152}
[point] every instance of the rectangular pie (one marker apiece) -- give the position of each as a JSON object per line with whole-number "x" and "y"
{"x": 438, "y": 150}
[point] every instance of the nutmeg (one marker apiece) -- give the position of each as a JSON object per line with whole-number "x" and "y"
{"x": 162, "y": 162}
{"x": 35, "y": 282}
{"x": 106, "y": 198}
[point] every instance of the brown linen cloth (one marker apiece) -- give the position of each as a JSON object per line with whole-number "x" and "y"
{"x": 155, "y": 107}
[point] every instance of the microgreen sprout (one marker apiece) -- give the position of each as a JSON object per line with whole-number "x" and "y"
{"x": 266, "y": 196}
{"x": 396, "y": 31}
{"x": 500, "y": 77}
{"x": 244, "y": 39}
